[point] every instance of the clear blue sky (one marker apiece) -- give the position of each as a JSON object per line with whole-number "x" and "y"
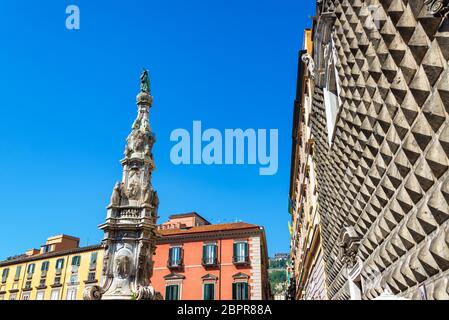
{"x": 67, "y": 102}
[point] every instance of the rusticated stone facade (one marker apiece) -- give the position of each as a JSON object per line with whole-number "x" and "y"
{"x": 380, "y": 126}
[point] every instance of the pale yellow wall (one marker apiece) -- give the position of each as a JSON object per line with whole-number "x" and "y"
{"x": 51, "y": 273}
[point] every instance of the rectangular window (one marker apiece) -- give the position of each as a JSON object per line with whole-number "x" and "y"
{"x": 28, "y": 285}
{"x": 241, "y": 252}
{"x": 55, "y": 294}
{"x": 2, "y": 297}
{"x": 18, "y": 271}
{"x": 175, "y": 257}
{"x": 42, "y": 283}
{"x": 45, "y": 265}
{"x": 40, "y": 295}
{"x": 13, "y": 296}
{"x": 73, "y": 279}
{"x": 5, "y": 274}
{"x": 48, "y": 248}
{"x": 59, "y": 264}
{"x": 57, "y": 280}
{"x": 172, "y": 292}
{"x": 91, "y": 277}
{"x": 210, "y": 254}
{"x": 26, "y": 296}
{"x": 30, "y": 269}
{"x": 93, "y": 260}
{"x": 71, "y": 294}
{"x": 209, "y": 291}
{"x": 240, "y": 291}
{"x": 76, "y": 261}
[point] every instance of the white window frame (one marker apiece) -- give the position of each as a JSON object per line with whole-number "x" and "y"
{"x": 40, "y": 295}
{"x": 180, "y": 253}
{"x": 13, "y": 296}
{"x": 174, "y": 283}
{"x": 214, "y": 283}
{"x": 71, "y": 293}
{"x": 26, "y": 294}
{"x": 53, "y": 292}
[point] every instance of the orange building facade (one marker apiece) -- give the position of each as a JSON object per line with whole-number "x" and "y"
{"x": 196, "y": 260}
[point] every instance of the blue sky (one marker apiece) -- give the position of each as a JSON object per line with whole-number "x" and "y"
{"x": 67, "y": 102}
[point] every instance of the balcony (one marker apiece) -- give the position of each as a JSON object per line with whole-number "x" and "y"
{"x": 175, "y": 264}
{"x": 210, "y": 262}
{"x": 240, "y": 260}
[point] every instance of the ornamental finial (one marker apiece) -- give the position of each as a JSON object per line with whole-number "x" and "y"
{"x": 145, "y": 82}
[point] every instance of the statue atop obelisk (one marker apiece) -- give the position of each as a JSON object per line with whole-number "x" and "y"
{"x": 130, "y": 227}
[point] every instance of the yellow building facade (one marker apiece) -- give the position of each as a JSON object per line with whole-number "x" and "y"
{"x": 60, "y": 270}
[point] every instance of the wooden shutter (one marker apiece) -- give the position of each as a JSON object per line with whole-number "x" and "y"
{"x": 245, "y": 291}
{"x": 167, "y": 293}
{"x": 234, "y": 289}
{"x": 205, "y": 254}
{"x": 175, "y": 292}
{"x": 170, "y": 255}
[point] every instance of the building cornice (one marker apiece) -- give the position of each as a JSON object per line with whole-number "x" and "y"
{"x": 49, "y": 255}
{"x": 165, "y": 239}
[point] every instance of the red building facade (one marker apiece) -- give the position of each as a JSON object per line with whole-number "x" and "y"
{"x": 196, "y": 260}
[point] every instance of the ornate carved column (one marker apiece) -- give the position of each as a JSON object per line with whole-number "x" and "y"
{"x": 437, "y": 7}
{"x": 349, "y": 243}
{"x": 130, "y": 227}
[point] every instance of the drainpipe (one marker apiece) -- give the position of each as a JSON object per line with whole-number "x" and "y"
{"x": 219, "y": 275}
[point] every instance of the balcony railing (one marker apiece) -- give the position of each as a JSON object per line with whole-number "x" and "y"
{"x": 240, "y": 260}
{"x": 210, "y": 261}
{"x": 175, "y": 264}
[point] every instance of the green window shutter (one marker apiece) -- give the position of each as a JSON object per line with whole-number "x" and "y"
{"x": 216, "y": 252}
{"x": 167, "y": 293}
{"x": 176, "y": 292}
{"x": 170, "y": 255}
{"x": 235, "y": 250}
{"x": 60, "y": 264}
{"x": 209, "y": 291}
{"x": 246, "y": 250}
{"x": 93, "y": 258}
{"x": 234, "y": 291}
{"x": 204, "y": 253}
{"x": 18, "y": 270}
{"x": 245, "y": 291}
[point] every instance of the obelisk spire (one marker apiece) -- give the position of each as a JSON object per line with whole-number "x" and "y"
{"x": 130, "y": 227}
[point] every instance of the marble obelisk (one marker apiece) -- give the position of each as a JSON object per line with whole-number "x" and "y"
{"x": 130, "y": 226}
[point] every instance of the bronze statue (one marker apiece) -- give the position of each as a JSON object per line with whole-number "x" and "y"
{"x": 145, "y": 82}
